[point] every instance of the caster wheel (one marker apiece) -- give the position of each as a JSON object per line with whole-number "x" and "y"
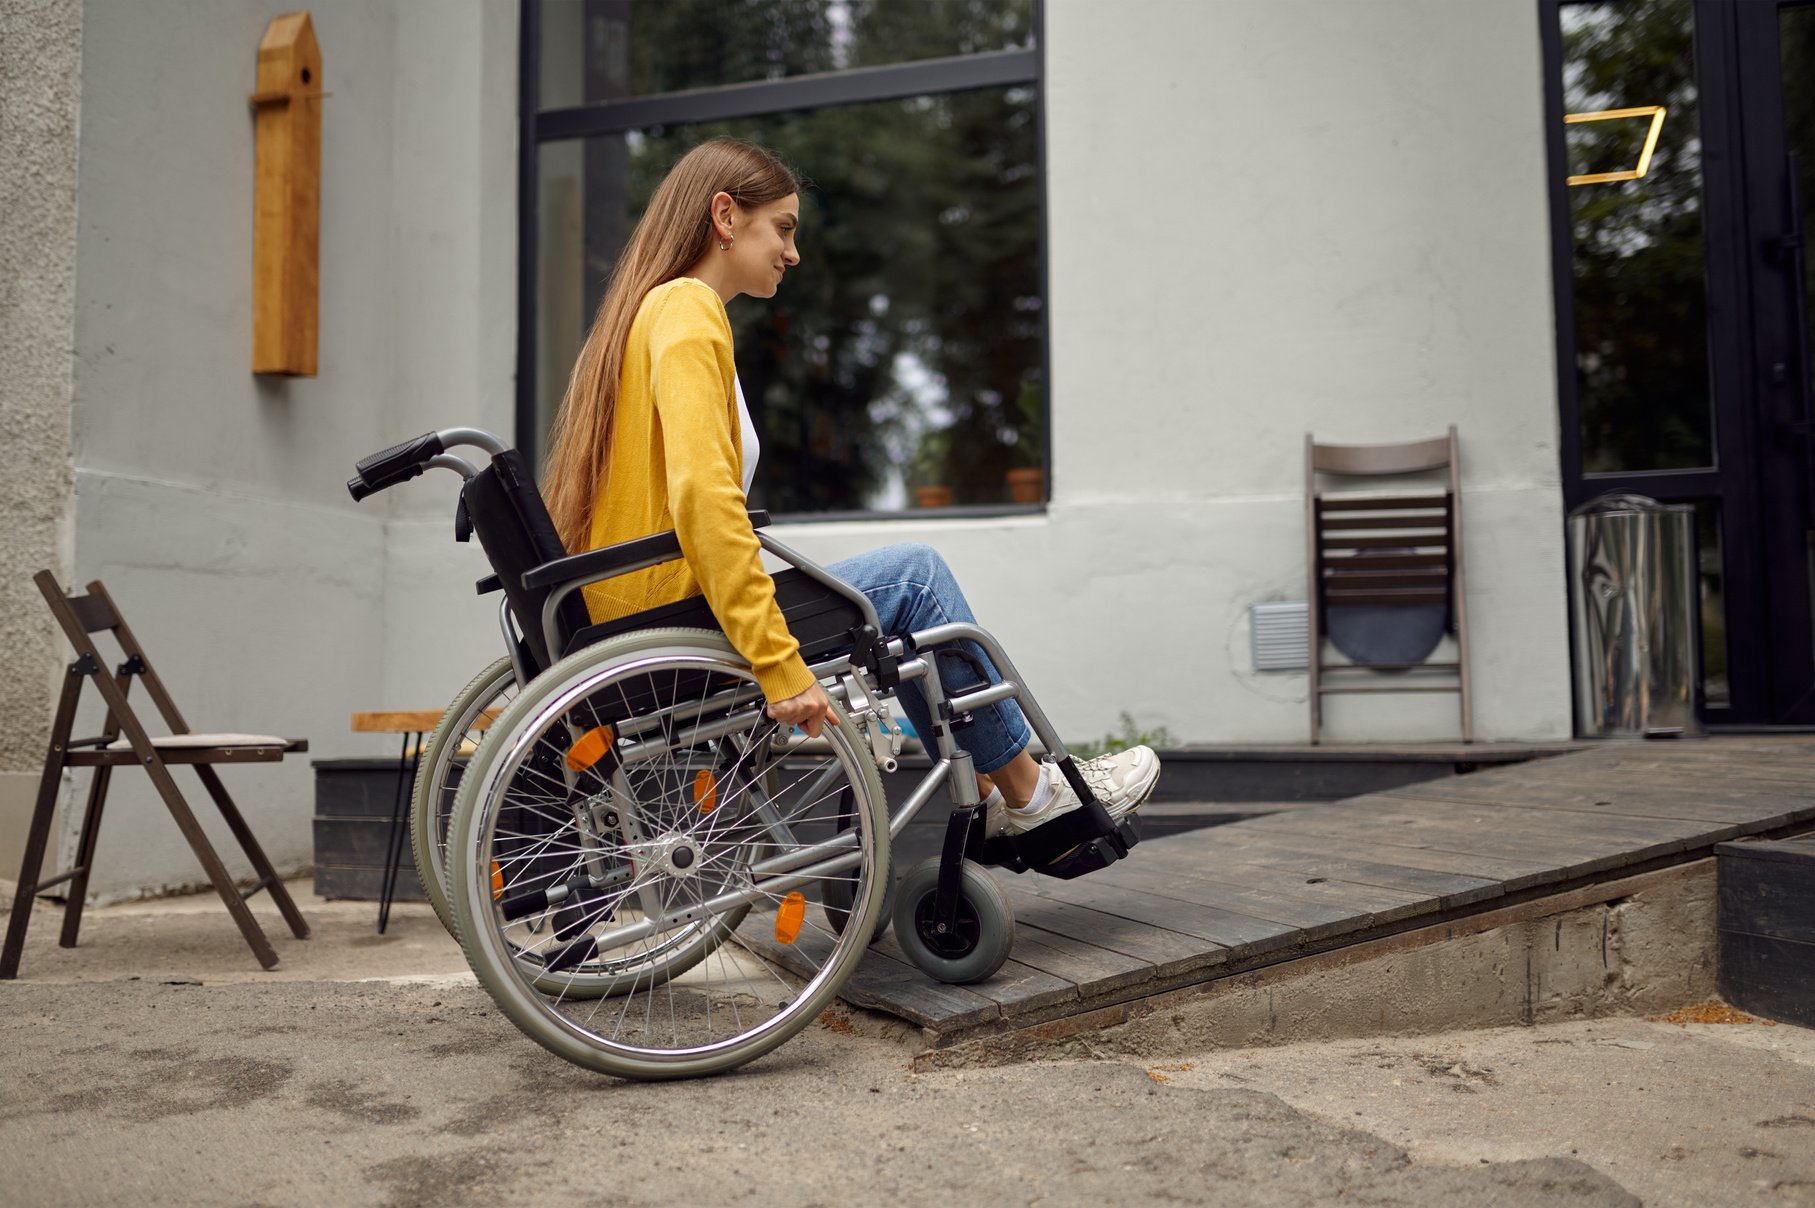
{"x": 981, "y": 937}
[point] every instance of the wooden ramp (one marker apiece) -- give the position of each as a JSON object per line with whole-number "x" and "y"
{"x": 1195, "y": 907}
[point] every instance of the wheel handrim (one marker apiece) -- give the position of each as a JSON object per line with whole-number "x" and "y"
{"x": 745, "y": 985}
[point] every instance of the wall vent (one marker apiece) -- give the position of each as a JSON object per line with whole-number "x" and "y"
{"x": 1281, "y": 640}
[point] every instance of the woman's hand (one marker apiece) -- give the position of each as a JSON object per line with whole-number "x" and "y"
{"x": 810, "y": 710}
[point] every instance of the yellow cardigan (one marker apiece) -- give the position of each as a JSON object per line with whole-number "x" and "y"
{"x": 677, "y": 463}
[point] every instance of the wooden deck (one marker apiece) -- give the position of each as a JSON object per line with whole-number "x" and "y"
{"x": 1191, "y": 908}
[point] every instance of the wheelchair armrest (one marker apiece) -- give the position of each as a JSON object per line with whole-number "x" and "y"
{"x": 489, "y": 584}
{"x": 616, "y": 559}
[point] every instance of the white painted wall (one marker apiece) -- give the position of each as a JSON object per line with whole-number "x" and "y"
{"x": 1265, "y": 219}
{"x": 211, "y": 501}
{"x": 1268, "y": 219}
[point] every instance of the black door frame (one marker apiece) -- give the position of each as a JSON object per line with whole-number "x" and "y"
{"x": 1779, "y": 356}
{"x": 1770, "y": 640}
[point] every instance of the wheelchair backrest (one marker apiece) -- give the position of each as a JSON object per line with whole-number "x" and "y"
{"x": 517, "y": 534}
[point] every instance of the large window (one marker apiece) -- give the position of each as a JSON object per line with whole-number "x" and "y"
{"x": 903, "y": 365}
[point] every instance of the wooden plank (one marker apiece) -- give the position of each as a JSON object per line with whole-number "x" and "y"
{"x": 1752, "y": 766}
{"x": 1566, "y": 857}
{"x": 1094, "y": 970}
{"x": 1560, "y": 826}
{"x": 887, "y": 983}
{"x": 1448, "y": 889}
{"x": 1751, "y": 811}
{"x": 1224, "y": 931}
{"x": 1378, "y": 904}
{"x": 1493, "y": 830}
{"x": 1442, "y": 845}
{"x": 1169, "y": 952}
{"x": 1496, "y": 870}
{"x": 1316, "y": 920}
{"x": 1015, "y": 988}
{"x": 1631, "y": 773}
{"x": 396, "y": 721}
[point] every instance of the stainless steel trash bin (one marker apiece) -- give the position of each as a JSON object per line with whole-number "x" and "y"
{"x": 1632, "y": 589}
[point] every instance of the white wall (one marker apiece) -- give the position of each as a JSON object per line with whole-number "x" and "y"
{"x": 1268, "y": 219}
{"x": 212, "y": 501}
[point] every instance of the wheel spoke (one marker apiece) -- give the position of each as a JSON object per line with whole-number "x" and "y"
{"x": 662, "y": 949}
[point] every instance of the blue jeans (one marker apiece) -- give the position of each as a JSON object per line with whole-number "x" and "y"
{"x": 912, "y": 588}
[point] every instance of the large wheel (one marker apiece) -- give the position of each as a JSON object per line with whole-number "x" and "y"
{"x": 836, "y": 895}
{"x": 449, "y": 750}
{"x": 614, "y": 832}
{"x": 979, "y": 940}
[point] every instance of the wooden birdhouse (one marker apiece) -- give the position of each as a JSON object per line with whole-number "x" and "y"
{"x": 286, "y": 229}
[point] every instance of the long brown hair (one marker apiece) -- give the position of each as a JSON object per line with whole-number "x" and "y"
{"x": 674, "y": 234}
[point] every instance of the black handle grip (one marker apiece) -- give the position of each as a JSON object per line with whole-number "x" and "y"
{"x": 399, "y": 463}
{"x": 371, "y": 484}
{"x": 380, "y": 470}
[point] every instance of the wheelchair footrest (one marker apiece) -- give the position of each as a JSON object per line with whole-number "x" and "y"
{"x": 1082, "y": 841}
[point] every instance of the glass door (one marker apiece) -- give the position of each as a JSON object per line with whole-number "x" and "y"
{"x": 1681, "y": 152}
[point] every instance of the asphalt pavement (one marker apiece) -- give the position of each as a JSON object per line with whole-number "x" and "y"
{"x": 157, "y": 1064}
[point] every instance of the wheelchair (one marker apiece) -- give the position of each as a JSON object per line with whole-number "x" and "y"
{"x": 650, "y": 876}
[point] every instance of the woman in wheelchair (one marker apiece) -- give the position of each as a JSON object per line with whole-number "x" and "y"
{"x": 654, "y": 434}
{"x": 634, "y": 838}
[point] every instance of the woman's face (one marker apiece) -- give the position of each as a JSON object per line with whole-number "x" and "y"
{"x": 762, "y": 245}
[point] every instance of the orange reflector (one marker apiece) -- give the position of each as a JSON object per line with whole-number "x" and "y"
{"x": 589, "y": 748}
{"x": 789, "y": 918}
{"x": 497, "y": 881}
{"x": 705, "y": 791}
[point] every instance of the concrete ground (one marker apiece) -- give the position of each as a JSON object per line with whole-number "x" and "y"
{"x": 158, "y": 1063}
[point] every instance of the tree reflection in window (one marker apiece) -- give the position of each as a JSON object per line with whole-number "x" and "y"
{"x": 1641, "y": 312}
{"x": 907, "y": 350}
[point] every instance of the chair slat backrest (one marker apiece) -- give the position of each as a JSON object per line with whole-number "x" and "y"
{"x": 1403, "y": 557}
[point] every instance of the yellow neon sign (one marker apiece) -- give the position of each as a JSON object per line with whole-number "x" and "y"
{"x": 1654, "y": 112}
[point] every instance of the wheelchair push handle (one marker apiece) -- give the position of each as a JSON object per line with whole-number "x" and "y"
{"x": 399, "y": 463}
{"x": 405, "y": 461}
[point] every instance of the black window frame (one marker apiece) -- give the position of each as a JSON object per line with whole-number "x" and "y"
{"x": 895, "y": 81}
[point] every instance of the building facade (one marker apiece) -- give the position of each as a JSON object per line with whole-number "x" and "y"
{"x": 1251, "y": 221}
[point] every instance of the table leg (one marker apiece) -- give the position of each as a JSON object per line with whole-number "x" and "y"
{"x": 400, "y": 809}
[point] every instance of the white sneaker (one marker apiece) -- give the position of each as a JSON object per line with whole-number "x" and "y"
{"x": 1121, "y": 782}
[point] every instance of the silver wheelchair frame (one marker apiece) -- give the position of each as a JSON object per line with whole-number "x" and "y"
{"x": 947, "y": 899}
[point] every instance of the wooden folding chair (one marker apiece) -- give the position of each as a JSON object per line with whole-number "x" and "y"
{"x": 122, "y": 743}
{"x": 1389, "y": 564}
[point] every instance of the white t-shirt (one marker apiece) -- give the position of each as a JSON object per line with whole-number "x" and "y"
{"x": 752, "y": 447}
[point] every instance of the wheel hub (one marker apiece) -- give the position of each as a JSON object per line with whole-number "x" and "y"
{"x": 955, "y": 943}
{"x": 676, "y": 854}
